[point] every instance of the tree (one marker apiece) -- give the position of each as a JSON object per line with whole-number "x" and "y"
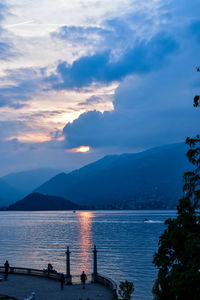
{"x": 178, "y": 256}
{"x": 126, "y": 289}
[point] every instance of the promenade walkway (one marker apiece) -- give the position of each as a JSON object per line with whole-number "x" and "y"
{"x": 21, "y": 286}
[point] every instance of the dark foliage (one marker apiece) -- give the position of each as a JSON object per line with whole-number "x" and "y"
{"x": 197, "y": 97}
{"x": 126, "y": 288}
{"x": 178, "y": 256}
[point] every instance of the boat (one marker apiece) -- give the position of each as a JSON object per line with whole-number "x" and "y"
{"x": 145, "y": 220}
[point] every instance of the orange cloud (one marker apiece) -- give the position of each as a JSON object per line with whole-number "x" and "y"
{"x": 61, "y": 138}
{"x": 36, "y": 137}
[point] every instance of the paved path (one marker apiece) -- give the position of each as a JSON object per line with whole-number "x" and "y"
{"x": 21, "y": 286}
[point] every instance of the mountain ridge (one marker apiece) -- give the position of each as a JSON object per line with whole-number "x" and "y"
{"x": 26, "y": 181}
{"x": 39, "y": 202}
{"x": 8, "y": 194}
{"x": 126, "y": 180}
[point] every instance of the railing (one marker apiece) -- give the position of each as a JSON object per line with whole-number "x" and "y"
{"x": 32, "y": 272}
{"x": 109, "y": 283}
{"x": 76, "y": 279}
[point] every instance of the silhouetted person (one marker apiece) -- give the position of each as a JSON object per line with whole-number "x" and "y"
{"x": 6, "y": 266}
{"x": 49, "y": 268}
{"x": 83, "y": 279}
{"x": 62, "y": 281}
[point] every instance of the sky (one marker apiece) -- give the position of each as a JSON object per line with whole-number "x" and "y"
{"x": 83, "y": 79}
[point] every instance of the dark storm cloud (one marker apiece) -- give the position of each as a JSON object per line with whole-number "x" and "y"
{"x": 100, "y": 67}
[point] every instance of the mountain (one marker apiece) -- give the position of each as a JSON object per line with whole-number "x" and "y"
{"x": 8, "y": 194}
{"x": 27, "y": 181}
{"x": 147, "y": 180}
{"x": 37, "y": 202}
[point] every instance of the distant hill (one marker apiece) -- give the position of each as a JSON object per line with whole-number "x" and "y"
{"x": 8, "y": 194}
{"x": 37, "y": 202}
{"x": 146, "y": 180}
{"x": 29, "y": 180}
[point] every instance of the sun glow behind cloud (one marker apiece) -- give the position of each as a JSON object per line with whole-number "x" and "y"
{"x": 82, "y": 149}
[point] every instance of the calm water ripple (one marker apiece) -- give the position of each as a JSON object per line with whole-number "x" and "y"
{"x": 125, "y": 243}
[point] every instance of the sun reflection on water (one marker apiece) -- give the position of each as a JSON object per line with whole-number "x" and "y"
{"x": 85, "y": 219}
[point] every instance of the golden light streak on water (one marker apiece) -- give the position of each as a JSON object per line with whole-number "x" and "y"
{"x": 85, "y": 219}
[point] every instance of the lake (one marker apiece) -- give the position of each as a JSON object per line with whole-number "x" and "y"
{"x": 125, "y": 243}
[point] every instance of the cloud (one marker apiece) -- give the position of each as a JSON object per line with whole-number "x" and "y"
{"x": 150, "y": 108}
{"x": 142, "y": 46}
{"x": 183, "y": 10}
{"x": 113, "y": 34}
{"x": 16, "y": 156}
{"x": 11, "y": 128}
{"x": 81, "y": 34}
{"x": 25, "y": 83}
{"x": 99, "y": 68}
{"x": 6, "y": 47}
{"x": 92, "y": 100}
{"x": 3, "y": 10}
{"x": 5, "y": 50}
{"x": 128, "y": 132}
{"x": 195, "y": 29}
{"x": 116, "y": 32}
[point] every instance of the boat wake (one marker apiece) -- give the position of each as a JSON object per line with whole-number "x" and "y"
{"x": 151, "y": 221}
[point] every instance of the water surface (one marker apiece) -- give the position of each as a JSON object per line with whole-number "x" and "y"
{"x": 125, "y": 243}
